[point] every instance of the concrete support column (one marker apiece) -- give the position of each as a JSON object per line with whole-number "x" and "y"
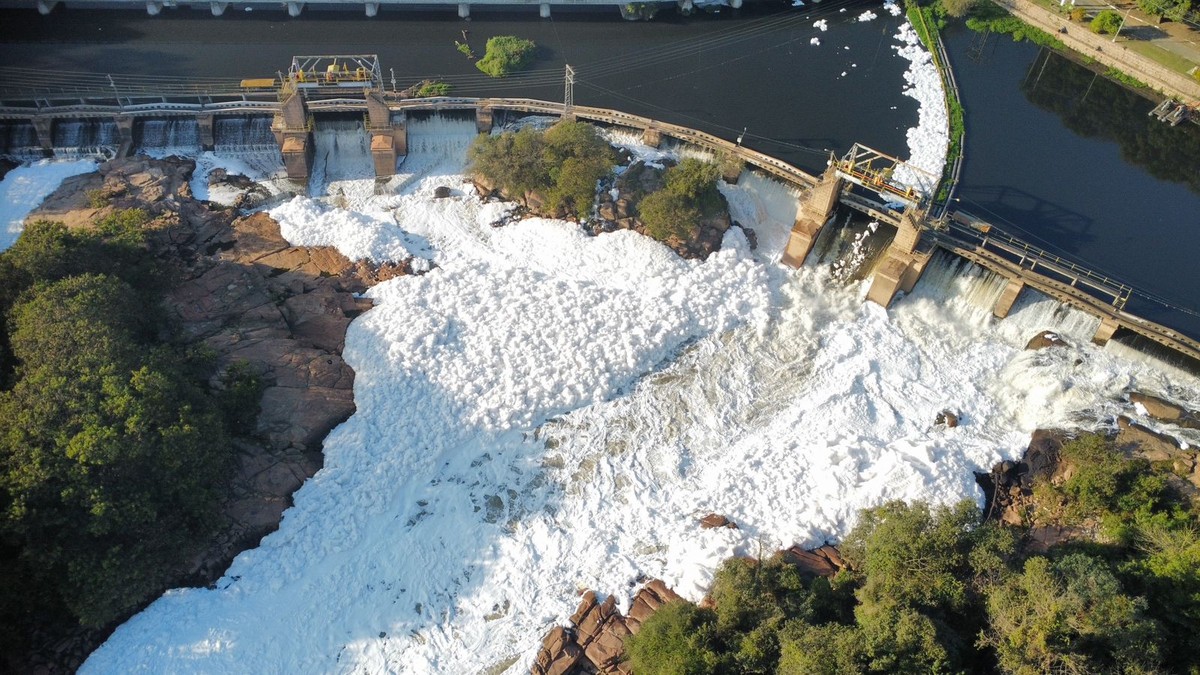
{"x": 378, "y": 115}
{"x": 400, "y": 134}
{"x": 294, "y": 8}
{"x": 217, "y": 8}
{"x": 483, "y": 120}
{"x": 383, "y": 154}
{"x": 815, "y": 210}
{"x": 1008, "y": 298}
{"x": 464, "y": 10}
{"x": 44, "y": 126}
{"x": 372, "y": 8}
{"x": 153, "y": 7}
{"x": 898, "y": 272}
{"x": 125, "y": 133}
{"x": 204, "y": 124}
{"x": 46, "y": 6}
{"x": 651, "y": 136}
{"x": 909, "y": 232}
{"x": 297, "y": 149}
{"x": 544, "y": 10}
{"x": 1108, "y": 328}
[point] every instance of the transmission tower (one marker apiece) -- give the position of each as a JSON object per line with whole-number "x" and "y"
{"x": 569, "y": 93}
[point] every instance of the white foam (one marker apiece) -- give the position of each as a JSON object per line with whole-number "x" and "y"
{"x": 867, "y": 16}
{"x": 549, "y": 411}
{"x": 25, "y": 187}
{"x": 929, "y": 141}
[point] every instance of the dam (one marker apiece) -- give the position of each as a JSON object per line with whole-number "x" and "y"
{"x": 202, "y": 117}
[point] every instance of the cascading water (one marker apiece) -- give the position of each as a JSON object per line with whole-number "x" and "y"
{"x": 80, "y": 139}
{"x": 19, "y": 141}
{"x": 175, "y": 136}
{"x": 249, "y": 140}
{"x": 342, "y": 153}
{"x": 851, "y": 245}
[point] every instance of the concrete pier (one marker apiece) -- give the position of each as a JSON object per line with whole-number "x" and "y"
{"x": 204, "y": 125}
{"x": 1008, "y": 298}
{"x": 815, "y": 210}
{"x": 44, "y": 127}
{"x": 903, "y": 264}
{"x": 294, "y": 135}
{"x": 125, "y": 133}
{"x": 651, "y": 136}
{"x": 484, "y": 119}
{"x": 1108, "y": 328}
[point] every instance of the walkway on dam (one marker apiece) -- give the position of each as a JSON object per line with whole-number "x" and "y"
{"x": 1022, "y": 264}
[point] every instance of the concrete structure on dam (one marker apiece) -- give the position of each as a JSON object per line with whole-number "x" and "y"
{"x": 369, "y": 7}
{"x": 864, "y": 179}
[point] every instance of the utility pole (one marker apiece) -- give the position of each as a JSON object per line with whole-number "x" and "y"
{"x": 569, "y": 92}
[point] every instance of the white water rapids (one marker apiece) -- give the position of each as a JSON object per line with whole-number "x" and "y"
{"x": 546, "y": 412}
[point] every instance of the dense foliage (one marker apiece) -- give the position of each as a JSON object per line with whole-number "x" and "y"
{"x": 112, "y": 448}
{"x": 1107, "y": 21}
{"x": 562, "y": 164}
{"x": 506, "y": 54}
{"x": 1173, "y": 10}
{"x": 689, "y": 195}
{"x": 931, "y": 590}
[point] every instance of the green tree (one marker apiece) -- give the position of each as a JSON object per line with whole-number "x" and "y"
{"x": 1107, "y": 21}
{"x": 958, "y": 8}
{"x": 689, "y": 196}
{"x": 1069, "y": 616}
{"x": 506, "y": 54}
{"x": 675, "y": 640}
{"x": 110, "y": 455}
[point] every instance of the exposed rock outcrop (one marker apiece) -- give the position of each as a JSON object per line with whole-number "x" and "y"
{"x": 595, "y": 642}
{"x": 715, "y": 520}
{"x": 823, "y": 561}
{"x": 947, "y": 419}
{"x": 1046, "y": 338}
{"x": 242, "y": 291}
{"x": 1165, "y": 411}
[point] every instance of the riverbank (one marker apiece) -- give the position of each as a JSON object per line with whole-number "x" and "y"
{"x": 1078, "y": 37}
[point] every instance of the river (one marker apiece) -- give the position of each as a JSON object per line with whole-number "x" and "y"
{"x": 1030, "y": 167}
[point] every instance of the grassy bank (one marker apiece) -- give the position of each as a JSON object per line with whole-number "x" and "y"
{"x": 926, "y": 25}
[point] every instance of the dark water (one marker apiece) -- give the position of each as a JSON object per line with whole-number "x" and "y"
{"x": 1072, "y": 162}
{"x": 1059, "y": 158}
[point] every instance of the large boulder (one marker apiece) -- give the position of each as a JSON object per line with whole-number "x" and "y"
{"x": 1165, "y": 411}
{"x": 1046, "y": 338}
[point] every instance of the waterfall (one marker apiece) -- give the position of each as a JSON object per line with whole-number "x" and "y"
{"x": 78, "y": 139}
{"x": 250, "y": 140}
{"x": 851, "y": 244}
{"x": 343, "y": 152}
{"x": 176, "y": 135}
{"x": 951, "y": 281}
{"x": 19, "y": 141}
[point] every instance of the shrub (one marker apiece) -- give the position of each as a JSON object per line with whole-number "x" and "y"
{"x": 957, "y": 8}
{"x": 674, "y": 213}
{"x": 506, "y": 54}
{"x": 563, "y": 164}
{"x": 429, "y": 88}
{"x": 1107, "y": 21}
{"x": 1173, "y": 10}
{"x": 675, "y": 640}
{"x": 1078, "y": 14}
{"x": 1069, "y": 616}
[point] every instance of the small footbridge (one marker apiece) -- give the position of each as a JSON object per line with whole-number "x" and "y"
{"x": 883, "y": 187}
